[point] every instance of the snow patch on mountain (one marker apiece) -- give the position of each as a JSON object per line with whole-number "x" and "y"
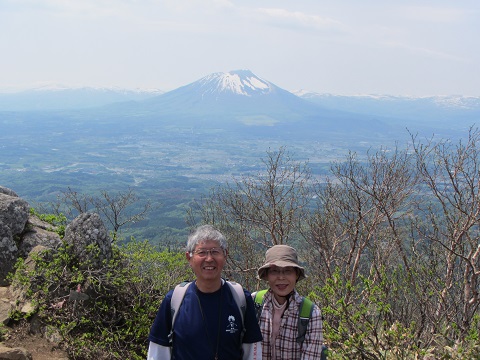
{"x": 240, "y": 82}
{"x": 445, "y": 101}
{"x": 464, "y": 102}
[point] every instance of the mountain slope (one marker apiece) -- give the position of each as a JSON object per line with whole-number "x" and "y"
{"x": 233, "y": 94}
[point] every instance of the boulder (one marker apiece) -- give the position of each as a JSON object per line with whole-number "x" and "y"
{"x": 13, "y": 217}
{"x": 85, "y": 230}
{"x": 38, "y": 232}
{"x": 8, "y": 253}
{"x": 20, "y": 232}
{"x": 18, "y": 353}
{"x": 13, "y": 213}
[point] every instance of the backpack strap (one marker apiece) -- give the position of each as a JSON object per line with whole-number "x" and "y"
{"x": 258, "y": 301}
{"x": 177, "y": 298}
{"x": 239, "y": 296}
{"x": 305, "y": 313}
{"x": 324, "y": 353}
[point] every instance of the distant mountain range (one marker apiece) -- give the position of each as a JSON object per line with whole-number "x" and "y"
{"x": 241, "y": 101}
{"x": 63, "y": 98}
{"x": 224, "y": 89}
{"x": 431, "y": 107}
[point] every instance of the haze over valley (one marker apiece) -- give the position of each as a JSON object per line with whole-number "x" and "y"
{"x": 172, "y": 147}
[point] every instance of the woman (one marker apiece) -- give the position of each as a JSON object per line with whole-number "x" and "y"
{"x": 281, "y": 307}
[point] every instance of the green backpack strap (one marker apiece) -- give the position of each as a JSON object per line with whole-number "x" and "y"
{"x": 306, "y": 310}
{"x": 258, "y": 301}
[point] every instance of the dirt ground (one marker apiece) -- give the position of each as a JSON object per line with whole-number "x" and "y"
{"x": 39, "y": 347}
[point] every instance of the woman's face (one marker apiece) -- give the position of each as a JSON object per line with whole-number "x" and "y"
{"x": 282, "y": 281}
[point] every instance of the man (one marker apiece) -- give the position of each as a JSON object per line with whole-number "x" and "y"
{"x": 208, "y": 325}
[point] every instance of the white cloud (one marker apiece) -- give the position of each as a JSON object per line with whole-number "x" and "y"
{"x": 283, "y": 17}
{"x": 429, "y": 52}
{"x": 432, "y": 14}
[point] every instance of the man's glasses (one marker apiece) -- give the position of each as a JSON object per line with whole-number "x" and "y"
{"x": 214, "y": 252}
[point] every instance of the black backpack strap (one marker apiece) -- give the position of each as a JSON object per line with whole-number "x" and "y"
{"x": 324, "y": 353}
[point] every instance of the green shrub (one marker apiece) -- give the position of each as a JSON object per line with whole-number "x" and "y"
{"x": 106, "y": 312}
{"x": 58, "y": 222}
{"x": 3, "y": 332}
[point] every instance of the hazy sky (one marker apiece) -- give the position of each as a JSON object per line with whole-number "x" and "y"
{"x": 403, "y": 47}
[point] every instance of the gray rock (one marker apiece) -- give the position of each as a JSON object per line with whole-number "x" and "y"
{"x": 5, "y": 306}
{"x": 13, "y": 217}
{"x": 8, "y": 253}
{"x": 20, "y": 232}
{"x": 37, "y": 233}
{"x": 13, "y": 213}
{"x": 7, "y": 191}
{"x": 85, "y": 230}
{"x": 19, "y": 353}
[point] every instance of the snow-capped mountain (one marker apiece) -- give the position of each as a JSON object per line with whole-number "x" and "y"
{"x": 241, "y": 101}
{"x": 447, "y": 101}
{"x": 403, "y": 107}
{"x": 236, "y": 94}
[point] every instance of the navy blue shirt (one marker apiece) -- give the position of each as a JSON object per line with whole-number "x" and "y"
{"x": 195, "y": 336}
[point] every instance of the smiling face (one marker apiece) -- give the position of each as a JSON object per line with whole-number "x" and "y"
{"x": 282, "y": 281}
{"x": 207, "y": 264}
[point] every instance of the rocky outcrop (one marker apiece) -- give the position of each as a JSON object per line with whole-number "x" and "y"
{"x": 38, "y": 232}
{"x": 21, "y": 231}
{"x": 7, "y": 191}
{"x": 23, "y": 235}
{"x": 13, "y": 218}
{"x": 85, "y": 230}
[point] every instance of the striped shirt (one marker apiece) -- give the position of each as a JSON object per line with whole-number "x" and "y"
{"x": 286, "y": 346}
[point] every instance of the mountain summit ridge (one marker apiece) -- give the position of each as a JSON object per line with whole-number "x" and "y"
{"x": 241, "y": 82}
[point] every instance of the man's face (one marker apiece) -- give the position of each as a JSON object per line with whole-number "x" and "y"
{"x": 207, "y": 260}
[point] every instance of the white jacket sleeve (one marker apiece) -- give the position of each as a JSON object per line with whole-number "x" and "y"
{"x": 252, "y": 351}
{"x": 158, "y": 352}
